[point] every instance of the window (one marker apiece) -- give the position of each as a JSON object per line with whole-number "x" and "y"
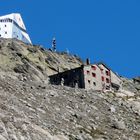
{"x": 103, "y": 78}
{"x": 107, "y": 73}
{"x": 101, "y": 71}
{"x": 5, "y": 25}
{"x": 0, "y": 35}
{"x": 94, "y": 83}
{"x": 5, "y": 32}
{"x": 93, "y": 75}
{"x": 89, "y": 81}
{"x": 107, "y": 80}
{"x": 93, "y": 67}
{"x": 88, "y": 72}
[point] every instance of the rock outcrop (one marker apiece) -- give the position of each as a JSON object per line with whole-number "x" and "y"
{"x": 33, "y": 62}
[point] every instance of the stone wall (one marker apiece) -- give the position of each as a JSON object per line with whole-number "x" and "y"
{"x": 92, "y": 77}
{"x": 104, "y": 71}
{"x": 70, "y": 78}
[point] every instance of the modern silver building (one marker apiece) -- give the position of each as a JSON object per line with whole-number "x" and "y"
{"x": 12, "y": 26}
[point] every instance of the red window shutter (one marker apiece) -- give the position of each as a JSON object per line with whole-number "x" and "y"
{"x": 93, "y": 74}
{"x": 103, "y": 78}
{"x": 93, "y": 67}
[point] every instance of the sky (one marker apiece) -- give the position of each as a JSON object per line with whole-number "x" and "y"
{"x": 102, "y": 30}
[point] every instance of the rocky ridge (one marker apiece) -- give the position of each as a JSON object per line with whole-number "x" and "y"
{"x": 33, "y": 62}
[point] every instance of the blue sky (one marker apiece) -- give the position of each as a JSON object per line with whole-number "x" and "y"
{"x": 104, "y": 30}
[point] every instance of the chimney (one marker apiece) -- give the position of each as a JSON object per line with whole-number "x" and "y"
{"x": 87, "y": 61}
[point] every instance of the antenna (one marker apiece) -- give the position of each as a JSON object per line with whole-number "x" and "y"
{"x": 87, "y": 61}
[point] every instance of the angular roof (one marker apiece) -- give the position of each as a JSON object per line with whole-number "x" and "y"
{"x": 16, "y": 17}
{"x": 102, "y": 63}
{"x": 17, "y": 20}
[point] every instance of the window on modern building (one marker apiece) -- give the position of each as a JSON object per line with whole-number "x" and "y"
{"x": 107, "y": 80}
{"x": 93, "y": 74}
{"x": 88, "y": 72}
{"x": 94, "y": 83}
{"x": 93, "y": 67}
{"x": 103, "y": 78}
{"x": 5, "y": 25}
{"x": 89, "y": 81}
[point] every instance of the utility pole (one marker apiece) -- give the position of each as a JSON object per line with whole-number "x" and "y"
{"x": 54, "y": 44}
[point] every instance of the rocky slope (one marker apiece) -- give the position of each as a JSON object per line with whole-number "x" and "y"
{"x": 34, "y": 62}
{"x": 36, "y": 111}
{"x": 33, "y": 110}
